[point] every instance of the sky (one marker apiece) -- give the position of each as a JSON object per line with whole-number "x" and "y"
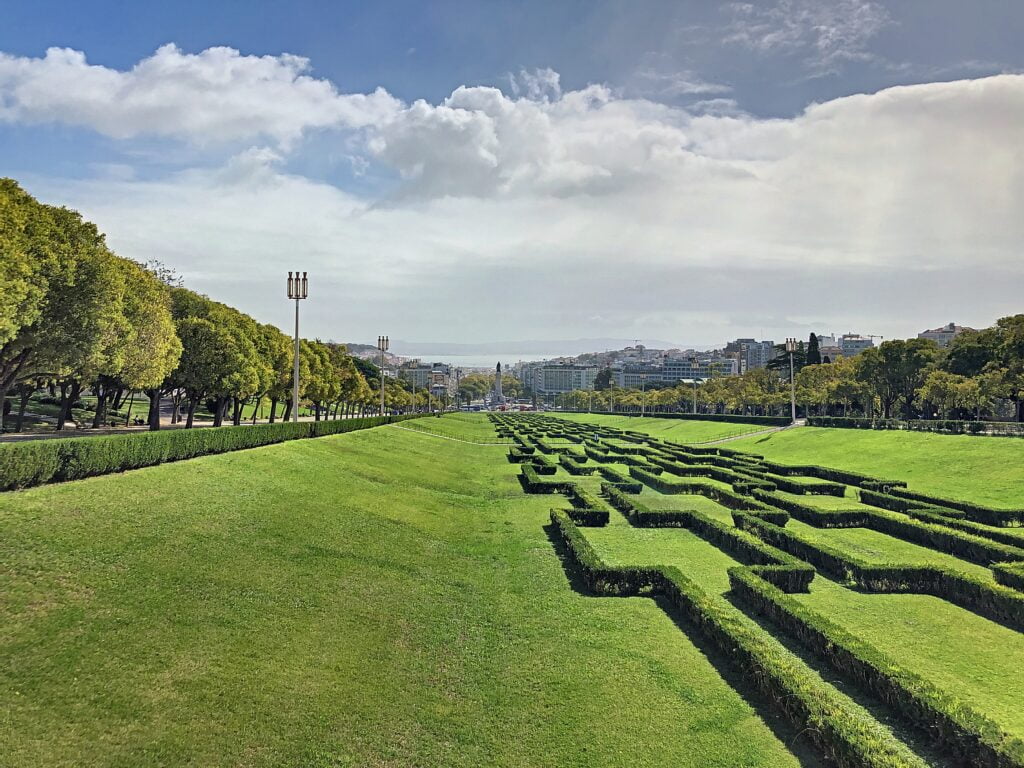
{"x": 473, "y": 172}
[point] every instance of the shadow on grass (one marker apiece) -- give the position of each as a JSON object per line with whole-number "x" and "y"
{"x": 914, "y": 738}
{"x": 804, "y": 751}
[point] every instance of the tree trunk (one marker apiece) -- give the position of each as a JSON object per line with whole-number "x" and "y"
{"x": 237, "y": 415}
{"x": 273, "y": 409}
{"x": 68, "y": 395}
{"x": 193, "y": 403}
{"x": 26, "y": 393}
{"x": 287, "y": 410}
{"x": 218, "y": 411}
{"x": 153, "y": 419}
{"x": 101, "y": 411}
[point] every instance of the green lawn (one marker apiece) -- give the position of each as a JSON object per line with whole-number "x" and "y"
{"x": 380, "y": 598}
{"x": 968, "y": 656}
{"x": 679, "y": 430}
{"x": 473, "y": 427}
{"x": 986, "y": 470}
{"x": 881, "y": 548}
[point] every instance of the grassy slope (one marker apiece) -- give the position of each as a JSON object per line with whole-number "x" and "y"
{"x": 974, "y": 659}
{"x": 378, "y": 598}
{"x": 464, "y": 426}
{"x": 680, "y": 430}
{"x": 967, "y": 655}
{"x": 986, "y": 470}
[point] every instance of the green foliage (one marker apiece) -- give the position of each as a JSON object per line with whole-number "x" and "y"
{"x": 46, "y": 461}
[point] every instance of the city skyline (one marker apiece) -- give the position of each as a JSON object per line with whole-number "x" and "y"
{"x": 689, "y": 172}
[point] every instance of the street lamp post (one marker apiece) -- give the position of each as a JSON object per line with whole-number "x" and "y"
{"x": 298, "y": 289}
{"x": 693, "y": 375}
{"x": 791, "y": 348}
{"x": 382, "y": 344}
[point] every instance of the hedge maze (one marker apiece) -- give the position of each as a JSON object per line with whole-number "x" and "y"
{"x": 795, "y": 536}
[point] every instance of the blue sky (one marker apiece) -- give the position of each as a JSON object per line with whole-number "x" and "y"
{"x": 643, "y": 169}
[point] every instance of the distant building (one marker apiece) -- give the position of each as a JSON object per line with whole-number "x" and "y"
{"x": 555, "y": 378}
{"x": 636, "y": 375}
{"x": 944, "y": 336}
{"x": 676, "y": 369}
{"x": 751, "y": 354}
{"x": 436, "y": 376}
{"x": 851, "y": 344}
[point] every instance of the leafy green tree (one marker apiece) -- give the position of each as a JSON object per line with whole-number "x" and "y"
{"x": 895, "y": 370}
{"x": 603, "y": 380}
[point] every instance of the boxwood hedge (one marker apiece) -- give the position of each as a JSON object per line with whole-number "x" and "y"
{"x": 35, "y": 462}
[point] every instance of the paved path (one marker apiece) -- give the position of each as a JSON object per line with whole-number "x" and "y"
{"x": 798, "y": 423}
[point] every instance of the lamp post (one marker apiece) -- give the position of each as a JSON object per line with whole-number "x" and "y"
{"x": 693, "y": 375}
{"x": 298, "y": 289}
{"x": 382, "y": 344}
{"x": 791, "y": 348}
{"x": 643, "y": 395}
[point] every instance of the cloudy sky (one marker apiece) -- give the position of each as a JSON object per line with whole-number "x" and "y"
{"x": 465, "y": 171}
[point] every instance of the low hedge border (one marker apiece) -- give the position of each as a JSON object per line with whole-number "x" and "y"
{"x": 768, "y": 421}
{"x": 1009, "y": 574}
{"x": 970, "y": 736}
{"x": 996, "y": 602}
{"x": 819, "y": 518}
{"x": 786, "y": 571}
{"x": 1013, "y": 537}
{"x": 574, "y": 466}
{"x": 37, "y": 462}
{"x": 943, "y": 426}
{"x": 845, "y": 735}
{"x": 727, "y": 499}
{"x": 976, "y": 512}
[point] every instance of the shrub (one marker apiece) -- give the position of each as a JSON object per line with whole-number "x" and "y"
{"x": 26, "y": 464}
{"x": 849, "y": 736}
{"x": 969, "y": 735}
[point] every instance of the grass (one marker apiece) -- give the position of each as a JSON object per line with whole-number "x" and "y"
{"x": 985, "y": 470}
{"x": 881, "y": 548}
{"x": 461, "y": 426}
{"x": 971, "y": 657}
{"x": 381, "y": 598}
{"x": 679, "y": 430}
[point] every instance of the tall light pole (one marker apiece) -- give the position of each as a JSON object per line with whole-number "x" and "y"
{"x": 693, "y": 375}
{"x": 382, "y": 344}
{"x": 791, "y": 348}
{"x": 298, "y": 289}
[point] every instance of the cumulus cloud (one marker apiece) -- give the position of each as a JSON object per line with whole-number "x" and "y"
{"x": 519, "y": 213}
{"x": 213, "y": 96}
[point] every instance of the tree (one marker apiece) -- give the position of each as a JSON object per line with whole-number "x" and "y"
{"x": 1007, "y": 366}
{"x": 895, "y": 370}
{"x": 603, "y": 380}
{"x": 813, "y": 351}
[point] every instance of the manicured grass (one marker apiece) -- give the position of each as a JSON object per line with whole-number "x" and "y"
{"x": 975, "y": 659}
{"x": 881, "y": 548}
{"x": 680, "y": 430}
{"x": 985, "y": 470}
{"x": 379, "y": 598}
{"x": 474, "y": 427}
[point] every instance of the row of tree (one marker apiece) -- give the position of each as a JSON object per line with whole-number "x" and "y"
{"x": 980, "y": 375}
{"x": 75, "y": 317}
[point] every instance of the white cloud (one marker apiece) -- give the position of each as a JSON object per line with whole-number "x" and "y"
{"x": 826, "y": 31}
{"x": 522, "y": 216}
{"x": 214, "y": 96}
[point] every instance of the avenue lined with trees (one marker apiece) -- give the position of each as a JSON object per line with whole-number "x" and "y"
{"x": 76, "y": 318}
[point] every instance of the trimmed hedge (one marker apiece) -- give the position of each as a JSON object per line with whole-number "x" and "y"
{"x": 847, "y": 736}
{"x": 969, "y": 735}
{"x": 36, "y": 462}
{"x": 1009, "y": 574}
{"x": 786, "y": 571}
{"x": 767, "y": 421}
{"x": 820, "y": 518}
{"x": 944, "y": 426}
{"x": 994, "y": 601}
{"x": 1014, "y": 537}
{"x": 975, "y": 512}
